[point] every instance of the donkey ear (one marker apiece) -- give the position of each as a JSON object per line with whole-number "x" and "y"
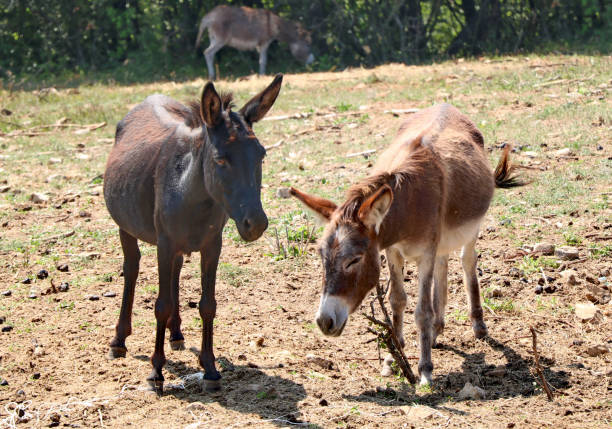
{"x": 259, "y": 105}
{"x": 375, "y": 208}
{"x": 321, "y": 207}
{"x": 210, "y": 107}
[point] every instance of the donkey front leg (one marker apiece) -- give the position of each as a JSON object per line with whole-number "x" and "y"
{"x": 397, "y": 299}
{"x": 439, "y": 295}
{"x": 209, "y": 54}
{"x": 166, "y": 256}
{"x": 208, "y": 309}
{"x": 263, "y": 58}
{"x": 177, "y": 341}
{"x": 131, "y": 264}
{"x": 424, "y": 315}
{"x": 470, "y": 279}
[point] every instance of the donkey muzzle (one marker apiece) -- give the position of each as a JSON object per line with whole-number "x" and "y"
{"x": 252, "y": 225}
{"x": 332, "y": 315}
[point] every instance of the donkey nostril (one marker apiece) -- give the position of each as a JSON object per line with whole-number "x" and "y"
{"x": 325, "y": 323}
{"x": 247, "y": 223}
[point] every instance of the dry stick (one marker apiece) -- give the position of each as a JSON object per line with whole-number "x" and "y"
{"x": 389, "y": 337}
{"x": 544, "y": 277}
{"x": 536, "y": 357}
{"x": 277, "y": 144}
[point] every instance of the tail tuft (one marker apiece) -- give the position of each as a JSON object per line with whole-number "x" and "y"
{"x": 503, "y": 172}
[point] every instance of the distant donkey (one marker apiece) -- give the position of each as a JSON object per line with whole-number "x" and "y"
{"x": 174, "y": 176}
{"x": 245, "y": 28}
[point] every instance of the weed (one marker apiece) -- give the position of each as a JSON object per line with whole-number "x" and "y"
{"x": 572, "y": 238}
{"x": 234, "y": 276}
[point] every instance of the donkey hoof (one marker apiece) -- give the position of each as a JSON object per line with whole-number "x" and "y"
{"x": 480, "y": 329}
{"x": 425, "y": 379}
{"x": 177, "y": 344}
{"x": 117, "y": 352}
{"x": 211, "y": 385}
{"x": 156, "y": 386}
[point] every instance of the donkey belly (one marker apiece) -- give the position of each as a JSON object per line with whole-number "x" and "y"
{"x": 457, "y": 236}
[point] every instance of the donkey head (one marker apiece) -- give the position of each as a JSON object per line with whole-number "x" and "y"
{"x": 233, "y": 165}
{"x": 300, "y": 47}
{"x": 349, "y": 251}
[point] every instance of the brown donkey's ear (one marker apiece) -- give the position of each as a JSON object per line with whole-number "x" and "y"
{"x": 375, "y": 208}
{"x": 210, "y": 107}
{"x": 258, "y": 106}
{"x": 321, "y": 207}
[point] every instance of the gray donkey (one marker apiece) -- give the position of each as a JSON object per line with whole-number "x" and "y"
{"x": 245, "y": 28}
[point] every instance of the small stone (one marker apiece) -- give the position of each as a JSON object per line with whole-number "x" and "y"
{"x": 550, "y": 288}
{"x": 89, "y": 255}
{"x": 42, "y": 274}
{"x": 2, "y": 319}
{"x": 319, "y": 361}
{"x": 55, "y": 417}
{"x": 597, "y": 294}
{"x": 514, "y": 272}
{"x": 586, "y": 311}
{"x": 538, "y": 289}
{"x": 419, "y": 412}
{"x": 3, "y": 382}
{"x": 55, "y": 160}
{"x": 32, "y": 295}
{"x": 323, "y": 403}
{"x": 495, "y": 293}
{"x": 598, "y": 350}
{"x": 93, "y": 297}
{"x": 566, "y": 253}
{"x": 196, "y": 406}
{"x": 26, "y": 281}
{"x": 260, "y": 341}
{"x": 82, "y": 156}
{"x": 36, "y": 375}
{"x": 569, "y": 277}
{"x": 4, "y": 189}
{"x": 563, "y": 152}
{"x": 283, "y": 193}
{"x": 109, "y": 294}
{"x": 39, "y": 198}
{"x": 192, "y": 304}
{"x": 530, "y": 154}
{"x": 63, "y": 268}
{"x": 7, "y": 328}
{"x": 7, "y": 292}
{"x": 39, "y": 351}
{"x": 544, "y": 248}
{"x": 63, "y": 287}
{"x": 242, "y": 357}
{"x": 470, "y": 391}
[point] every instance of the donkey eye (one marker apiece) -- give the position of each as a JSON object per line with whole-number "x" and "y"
{"x": 221, "y": 161}
{"x": 353, "y": 262}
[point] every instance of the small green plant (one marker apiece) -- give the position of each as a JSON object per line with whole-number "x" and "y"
{"x": 344, "y": 107}
{"x": 293, "y": 243}
{"x": 460, "y": 316}
{"x": 530, "y": 265}
{"x": 596, "y": 251}
{"x": 425, "y": 388}
{"x": 572, "y": 238}
{"x": 498, "y": 305}
{"x": 235, "y": 276}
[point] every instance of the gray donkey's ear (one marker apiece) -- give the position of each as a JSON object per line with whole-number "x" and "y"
{"x": 258, "y": 106}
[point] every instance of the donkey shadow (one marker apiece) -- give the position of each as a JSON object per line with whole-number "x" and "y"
{"x": 244, "y": 389}
{"x": 517, "y": 380}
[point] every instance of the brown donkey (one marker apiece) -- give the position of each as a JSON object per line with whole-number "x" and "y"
{"x": 427, "y": 196}
{"x": 173, "y": 178}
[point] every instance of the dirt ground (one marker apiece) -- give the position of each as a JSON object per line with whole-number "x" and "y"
{"x": 277, "y": 368}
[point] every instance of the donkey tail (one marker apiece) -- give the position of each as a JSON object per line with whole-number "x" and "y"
{"x": 203, "y": 25}
{"x": 503, "y": 172}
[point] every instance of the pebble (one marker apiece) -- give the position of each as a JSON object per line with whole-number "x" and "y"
{"x": 192, "y": 304}
{"x": 569, "y": 277}
{"x": 283, "y": 193}
{"x": 563, "y": 152}
{"x": 598, "y": 350}
{"x": 26, "y": 281}
{"x": 566, "y": 253}
{"x": 7, "y": 292}
{"x": 586, "y": 311}
{"x": 2, "y": 319}
{"x": 32, "y": 295}
{"x": 42, "y": 274}
{"x": 530, "y": 154}
{"x": 39, "y": 198}
{"x": 550, "y": 288}
{"x": 89, "y": 255}
{"x": 36, "y": 375}
{"x": 323, "y": 403}
{"x": 8, "y": 328}
{"x": 93, "y": 297}
{"x": 538, "y": 289}
{"x": 109, "y": 294}
{"x": 4, "y": 189}
{"x": 3, "y": 382}
{"x": 322, "y": 362}
{"x": 544, "y": 248}
{"x": 63, "y": 268}
{"x": 470, "y": 391}
{"x": 420, "y": 412}
{"x": 514, "y": 272}
{"x": 63, "y": 287}
{"x": 55, "y": 160}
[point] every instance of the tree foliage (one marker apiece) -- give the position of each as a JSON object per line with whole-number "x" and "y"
{"x": 42, "y": 37}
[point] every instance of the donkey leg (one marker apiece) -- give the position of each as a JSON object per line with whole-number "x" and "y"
{"x": 209, "y": 54}
{"x": 424, "y": 315}
{"x": 263, "y": 59}
{"x": 208, "y": 309}
{"x": 131, "y": 263}
{"x": 163, "y": 308}
{"x": 397, "y": 299}
{"x": 470, "y": 279}
{"x": 439, "y": 295}
{"x": 177, "y": 341}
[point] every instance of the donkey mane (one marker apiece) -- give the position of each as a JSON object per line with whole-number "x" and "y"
{"x": 411, "y": 168}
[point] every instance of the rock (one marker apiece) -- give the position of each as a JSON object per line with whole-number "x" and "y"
{"x": 55, "y": 160}
{"x": 260, "y": 341}
{"x": 63, "y": 287}
{"x": 7, "y": 328}
{"x": 32, "y": 295}
{"x": 538, "y": 289}
{"x": 7, "y": 292}
{"x": 514, "y": 272}
{"x": 495, "y": 293}
{"x": 2, "y": 319}
{"x": 36, "y": 375}
{"x": 39, "y": 198}
{"x": 550, "y": 288}
{"x": 93, "y": 297}
{"x": 598, "y": 350}
{"x": 89, "y": 255}
{"x": 566, "y": 253}
{"x": 55, "y": 417}
{"x": 586, "y": 312}
{"x": 3, "y": 382}
{"x": 192, "y": 304}
{"x": 109, "y": 294}
{"x": 563, "y": 152}
{"x": 42, "y": 274}
{"x": 323, "y": 403}
{"x": 4, "y": 189}
{"x": 470, "y": 391}
{"x": 544, "y": 248}
{"x": 530, "y": 154}
{"x": 283, "y": 193}
{"x": 82, "y": 156}
{"x": 63, "y": 268}
{"x": 322, "y": 362}
{"x": 39, "y": 350}
{"x": 596, "y": 294}
{"x": 569, "y": 277}
{"x": 420, "y": 412}
{"x": 26, "y": 281}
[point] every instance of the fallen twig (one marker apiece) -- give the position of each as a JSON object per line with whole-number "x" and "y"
{"x": 277, "y": 144}
{"x": 57, "y": 237}
{"x": 365, "y": 153}
{"x": 401, "y": 111}
{"x": 539, "y": 372}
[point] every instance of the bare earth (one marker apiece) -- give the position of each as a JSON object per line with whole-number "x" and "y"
{"x": 278, "y": 369}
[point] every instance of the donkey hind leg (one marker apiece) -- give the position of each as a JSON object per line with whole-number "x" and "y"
{"x": 208, "y": 309}
{"x": 131, "y": 263}
{"x": 397, "y": 299}
{"x": 209, "y": 54}
{"x": 263, "y": 58}
{"x": 177, "y": 341}
{"x": 439, "y": 295}
{"x": 424, "y": 314}
{"x": 470, "y": 279}
{"x": 166, "y": 256}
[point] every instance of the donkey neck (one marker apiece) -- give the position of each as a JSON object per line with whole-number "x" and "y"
{"x": 192, "y": 164}
{"x": 288, "y": 31}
